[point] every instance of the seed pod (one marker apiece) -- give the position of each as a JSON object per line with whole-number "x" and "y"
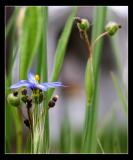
{"x": 84, "y": 25}
{"x": 112, "y": 28}
{"x": 89, "y": 81}
{"x": 51, "y": 104}
{"x": 13, "y": 100}
{"x": 55, "y": 98}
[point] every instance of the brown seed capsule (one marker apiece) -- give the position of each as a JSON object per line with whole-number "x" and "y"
{"x": 51, "y": 104}
{"x": 55, "y": 98}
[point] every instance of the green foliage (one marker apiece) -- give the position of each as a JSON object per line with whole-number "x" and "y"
{"x": 61, "y": 47}
{"x": 30, "y": 38}
{"x": 89, "y": 135}
{"x": 32, "y": 45}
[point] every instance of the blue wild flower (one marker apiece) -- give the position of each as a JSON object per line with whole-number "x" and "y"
{"x": 32, "y": 83}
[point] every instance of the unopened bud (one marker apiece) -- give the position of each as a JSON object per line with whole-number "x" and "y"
{"x": 112, "y": 28}
{"x": 84, "y": 25}
{"x": 13, "y": 100}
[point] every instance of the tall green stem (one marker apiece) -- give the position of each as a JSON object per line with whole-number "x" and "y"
{"x": 89, "y": 136}
{"x": 45, "y": 79}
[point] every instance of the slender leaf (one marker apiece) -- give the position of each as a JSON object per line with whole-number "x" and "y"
{"x": 61, "y": 47}
{"x": 89, "y": 136}
{"x": 119, "y": 92}
{"x": 12, "y": 21}
{"x": 30, "y": 38}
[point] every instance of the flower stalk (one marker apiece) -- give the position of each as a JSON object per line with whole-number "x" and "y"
{"x": 91, "y": 80}
{"x": 33, "y": 102}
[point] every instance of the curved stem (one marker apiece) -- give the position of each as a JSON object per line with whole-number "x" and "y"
{"x": 84, "y": 36}
{"x": 87, "y": 42}
{"x": 101, "y": 35}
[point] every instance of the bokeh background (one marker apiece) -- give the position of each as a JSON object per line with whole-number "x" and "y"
{"x": 71, "y": 104}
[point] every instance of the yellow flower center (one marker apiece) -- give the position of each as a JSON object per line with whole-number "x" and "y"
{"x": 37, "y": 78}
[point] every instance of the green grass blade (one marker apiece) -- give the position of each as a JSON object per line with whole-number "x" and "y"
{"x": 100, "y": 145}
{"x": 61, "y": 47}
{"x": 119, "y": 92}
{"x": 89, "y": 135}
{"x": 99, "y": 24}
{"x": 115, "y": 136}
{"x": 116, "y": 52}
{"x": 12, "y": 21}
{"x": 30, "y": 38}
{"x": 45, "y": 79}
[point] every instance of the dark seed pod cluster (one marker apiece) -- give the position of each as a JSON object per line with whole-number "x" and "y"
{"x": 52, "y": 102}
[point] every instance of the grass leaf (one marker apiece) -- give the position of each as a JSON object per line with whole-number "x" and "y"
{"x": 119, "y": 92}
{"x": 30, "y": 38}
{"x": 61, "y": 47}
{"x": 89, "y": 135}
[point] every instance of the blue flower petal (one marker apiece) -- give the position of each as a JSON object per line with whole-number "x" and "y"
{"x": 22, "y": 83}
{"x": 31, "y": 78}
{"x": 44, "y": 88}
{"x": 52, "y": 84}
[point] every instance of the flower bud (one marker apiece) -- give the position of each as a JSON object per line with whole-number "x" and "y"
{"x": 84, "y": 25}
{"x": 112, "y": 28}
{"x": 13, "y": 100}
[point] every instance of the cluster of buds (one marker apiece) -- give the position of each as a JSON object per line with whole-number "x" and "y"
{"x": 83, "y": 25}
{"x": 17, "y": 97}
